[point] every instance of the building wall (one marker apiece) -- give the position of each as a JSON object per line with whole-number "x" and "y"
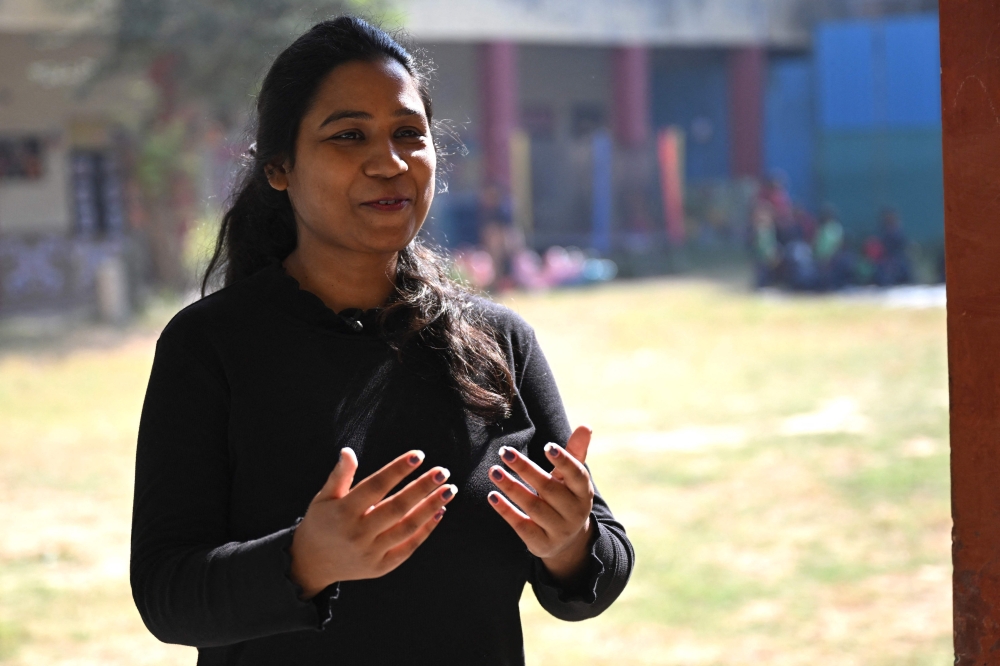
{"x": 781, "y": 23}
{"x": 573, "y": 82}
{"x": 39, "y": 99}
{"x": 879, "y": 122}
{"x": 690, "y": 91}
{"x": 789, "y": 126}
{"x": 33, "y": 105}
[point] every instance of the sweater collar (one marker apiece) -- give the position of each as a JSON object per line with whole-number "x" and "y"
{"x": 305, "y": 305}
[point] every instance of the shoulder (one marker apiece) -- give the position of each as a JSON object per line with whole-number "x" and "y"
{"x": 515, "y": 336}
{"x": 214, "y": 318}
{"x": 504, "y": 321}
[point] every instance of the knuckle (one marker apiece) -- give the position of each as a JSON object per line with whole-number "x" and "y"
{"x": 550, "y": 486}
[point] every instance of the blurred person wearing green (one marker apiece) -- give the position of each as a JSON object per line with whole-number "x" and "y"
{"x": 832, "y": 259}
{"x": 338, "y": 341}
{"x": 767, "y": 250}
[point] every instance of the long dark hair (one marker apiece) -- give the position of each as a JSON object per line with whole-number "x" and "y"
{"x": 428, "y": 310}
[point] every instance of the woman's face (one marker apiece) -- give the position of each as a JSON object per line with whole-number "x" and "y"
{"x": 363, "y": 177}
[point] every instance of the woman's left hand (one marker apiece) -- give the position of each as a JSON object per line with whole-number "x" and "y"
{"x": 554, "y": 520}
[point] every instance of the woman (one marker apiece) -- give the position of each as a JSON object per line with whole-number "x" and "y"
{"x": 339, "y": 343}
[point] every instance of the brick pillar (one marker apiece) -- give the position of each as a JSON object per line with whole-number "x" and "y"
{"x": 498, "y": 109}
{"x": 630, "y": 115}
{"x": 747, "y": 78}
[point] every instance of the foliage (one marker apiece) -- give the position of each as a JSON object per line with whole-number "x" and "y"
{"x": 214, "y": 51}
{"x": 162, "y": 155}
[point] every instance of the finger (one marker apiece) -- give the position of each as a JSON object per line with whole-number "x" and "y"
{"x": 536, "y": 508}
{"x": 530, "y": 533}
{"x": 532, "y": 474}
{"x": 339, "y": 482}
{"x": 400, "y": 553}
{"x": 372, "y": 489}
{"x": 417, "y": 516}
{"x": 574, "y": 474}
{"x": 392, "y": 509}
{"x": 579, "y": 443}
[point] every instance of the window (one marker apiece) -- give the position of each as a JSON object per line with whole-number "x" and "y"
{"x": 20, "y": 158}
{"x": 97, "y": 193}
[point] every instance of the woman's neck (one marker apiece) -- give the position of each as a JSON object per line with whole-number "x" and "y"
{"x": 343, "y": 279}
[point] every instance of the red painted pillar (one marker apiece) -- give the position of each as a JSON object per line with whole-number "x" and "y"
{"x": 747, "y": 72}
{"x": 499, "y": 109}
{"x": 630, "y": 115}
{"x": 970, "y": 92}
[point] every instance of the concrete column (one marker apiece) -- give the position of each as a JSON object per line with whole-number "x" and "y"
{"x": 747, "y": 79}
{"x": 631, "y": 112}
{"x": 499, "y": 109}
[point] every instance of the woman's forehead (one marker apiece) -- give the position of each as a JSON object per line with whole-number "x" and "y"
{"x": 380, "y": 87}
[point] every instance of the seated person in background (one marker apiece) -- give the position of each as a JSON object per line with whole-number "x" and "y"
{"x": 833, "y": 262}
{"x": 893, "y": 266}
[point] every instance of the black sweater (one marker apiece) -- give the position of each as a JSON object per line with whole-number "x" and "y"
{"x": 254, "y": 390}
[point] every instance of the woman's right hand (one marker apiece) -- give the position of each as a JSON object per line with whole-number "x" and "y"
{"x": 356, "y": 533}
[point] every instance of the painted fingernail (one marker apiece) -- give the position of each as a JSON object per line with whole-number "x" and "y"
{"x": 449, "y": 492}
{"x": 496, "y": 474}
{"x": 552, "y": 450}
{"x": 508, "y": 454}
{"x": 494, "y": 498}
{"x": 415, "y": 458}
{"x": 440, "y": 513}
{"x": 441, "y": 476}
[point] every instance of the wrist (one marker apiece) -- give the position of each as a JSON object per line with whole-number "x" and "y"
{"x": 571, "y": 562}
{"x": 300, "y": 571}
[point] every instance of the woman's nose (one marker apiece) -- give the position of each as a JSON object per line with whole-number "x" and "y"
{"x": 385, "y": 161}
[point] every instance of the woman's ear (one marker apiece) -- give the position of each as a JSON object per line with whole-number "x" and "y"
{"x": 277, "y": 176}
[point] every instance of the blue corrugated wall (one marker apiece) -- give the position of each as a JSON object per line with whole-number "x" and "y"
{"x": 879, "y": 123}
{"x": 689, "y": 88}
{"x": 789, "y": 132}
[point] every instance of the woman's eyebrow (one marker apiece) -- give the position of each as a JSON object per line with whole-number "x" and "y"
{"x": 341, "y": 115}
{"x": 364, "y": 115}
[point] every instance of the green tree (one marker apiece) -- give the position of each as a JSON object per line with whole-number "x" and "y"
{"x": 205, "y": 59}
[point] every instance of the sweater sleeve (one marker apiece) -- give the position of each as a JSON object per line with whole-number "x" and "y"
{"x": 611, "y": 554}
{"x": 192, "y": 584}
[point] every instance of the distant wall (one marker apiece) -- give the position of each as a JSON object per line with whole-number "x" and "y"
{"x": 690, "y": 91}
{"x": 789, "y": 126}
{"x": 698, "y": 23}
{"x": 879, "y": 122}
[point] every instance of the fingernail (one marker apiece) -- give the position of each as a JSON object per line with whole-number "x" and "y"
{"x": 496, "y": 474}
{"x": 416, "y": 458}
{"x": 552, "y": 450}
{"x": 440, "y": 513}
{"x": 441, "y": 476}
{"x": 494, "y": 498}
{"x": 508, "y": 454}
{"x": 449, "y": 492}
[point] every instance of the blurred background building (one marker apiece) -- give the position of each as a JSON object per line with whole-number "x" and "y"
{"x": 628, "y": 129}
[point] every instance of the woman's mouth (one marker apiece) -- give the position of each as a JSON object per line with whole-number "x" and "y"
{"x": 388, "y": 205}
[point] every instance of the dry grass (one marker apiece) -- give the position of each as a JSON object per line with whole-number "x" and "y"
{"x": 781, "y": 466}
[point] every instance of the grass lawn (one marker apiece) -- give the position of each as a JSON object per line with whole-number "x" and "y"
{"x": 781, "y": 466}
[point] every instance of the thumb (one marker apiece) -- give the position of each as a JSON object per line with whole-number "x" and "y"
{"x": 579, "y": 443}
{"x": 339, "y": 482}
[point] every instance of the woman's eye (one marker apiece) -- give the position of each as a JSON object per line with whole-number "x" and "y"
{"x": 352, "y": 134}
{"x": 409, "y": 133}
